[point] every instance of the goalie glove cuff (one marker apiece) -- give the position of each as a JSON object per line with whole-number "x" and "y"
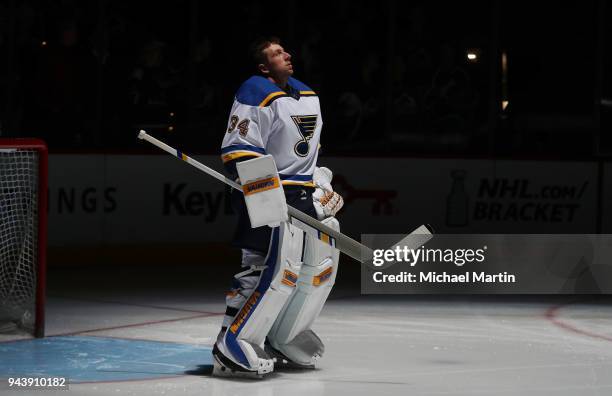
{"x": 322, "y": 178}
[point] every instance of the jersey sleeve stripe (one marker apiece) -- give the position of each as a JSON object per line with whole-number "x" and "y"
{"x": 238, "y": 154}
{"x": 242, "y": 147}
{"x": 307, "y": 93}
{"x": 270, "y": 98}
{"x": 235, "y": 151}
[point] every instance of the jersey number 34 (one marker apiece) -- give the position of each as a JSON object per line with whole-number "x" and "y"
{"x": 243, "y": 126}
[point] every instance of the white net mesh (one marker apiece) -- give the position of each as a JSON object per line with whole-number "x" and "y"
{"x": 18, "y": 237}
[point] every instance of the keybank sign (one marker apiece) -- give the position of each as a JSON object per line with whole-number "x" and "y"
{"x": 179, "y": 199}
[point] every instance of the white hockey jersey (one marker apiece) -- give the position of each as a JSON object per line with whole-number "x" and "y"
{"x": 267, "y": 120}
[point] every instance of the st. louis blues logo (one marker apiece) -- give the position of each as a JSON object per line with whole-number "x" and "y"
{"x": 306, "y": 125}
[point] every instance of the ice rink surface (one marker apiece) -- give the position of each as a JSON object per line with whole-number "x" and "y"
{"x": 416, "y": 345}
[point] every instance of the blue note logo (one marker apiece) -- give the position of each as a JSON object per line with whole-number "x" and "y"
{"x": 306, "y": 125}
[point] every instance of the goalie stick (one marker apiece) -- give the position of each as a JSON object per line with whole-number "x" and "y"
{"x": 345, "y": 244}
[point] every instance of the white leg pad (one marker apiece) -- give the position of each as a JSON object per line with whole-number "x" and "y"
{"x": 291, "y": 333}
{"x": 244, "y": 338}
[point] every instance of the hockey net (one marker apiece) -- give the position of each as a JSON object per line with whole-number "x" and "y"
{"x": 23, "y": 199}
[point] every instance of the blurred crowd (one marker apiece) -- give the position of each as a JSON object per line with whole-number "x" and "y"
{"x": 392, "y": 77}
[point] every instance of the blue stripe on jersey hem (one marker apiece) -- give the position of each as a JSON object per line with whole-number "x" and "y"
{"x": 235, "y": 147}
{"x": 304, "y": 178}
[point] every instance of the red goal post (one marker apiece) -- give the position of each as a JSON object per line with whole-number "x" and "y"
{"x": 23, "y": 233}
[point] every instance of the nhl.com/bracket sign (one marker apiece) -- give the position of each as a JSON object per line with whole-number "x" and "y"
{"x": 532, "y": 196}
{"x": 512, "y": 200}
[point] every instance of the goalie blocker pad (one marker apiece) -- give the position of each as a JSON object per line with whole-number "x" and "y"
{"x": 291, "y": 333}
{"x": 263, "y": 191}
{"x": 244, "y": 339}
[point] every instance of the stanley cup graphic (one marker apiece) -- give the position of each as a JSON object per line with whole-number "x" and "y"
{"x": 457, "y": 201}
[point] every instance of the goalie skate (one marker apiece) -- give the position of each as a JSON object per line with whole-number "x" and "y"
{"x": 307, "y": 345}
{"x": 225, "y": 367}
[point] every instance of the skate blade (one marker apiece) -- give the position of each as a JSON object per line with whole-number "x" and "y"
{"x": 221, "y": 371}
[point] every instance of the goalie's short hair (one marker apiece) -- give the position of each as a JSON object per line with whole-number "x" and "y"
{"x": 258, "y": 46}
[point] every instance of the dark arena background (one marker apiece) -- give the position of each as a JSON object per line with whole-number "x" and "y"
{"x": 484, "y": 119}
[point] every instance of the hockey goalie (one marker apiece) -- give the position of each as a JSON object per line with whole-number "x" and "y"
{"x": 271, "y": 147}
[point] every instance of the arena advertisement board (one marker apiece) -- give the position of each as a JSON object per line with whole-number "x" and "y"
{"x": 134, "y": 199}
{"x": 467, "y": 196}
{"x": 80, "y": 199}
{"x": 130, "y": 199}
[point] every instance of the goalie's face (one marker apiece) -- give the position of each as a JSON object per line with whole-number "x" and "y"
{"x": 278, "y": 63}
